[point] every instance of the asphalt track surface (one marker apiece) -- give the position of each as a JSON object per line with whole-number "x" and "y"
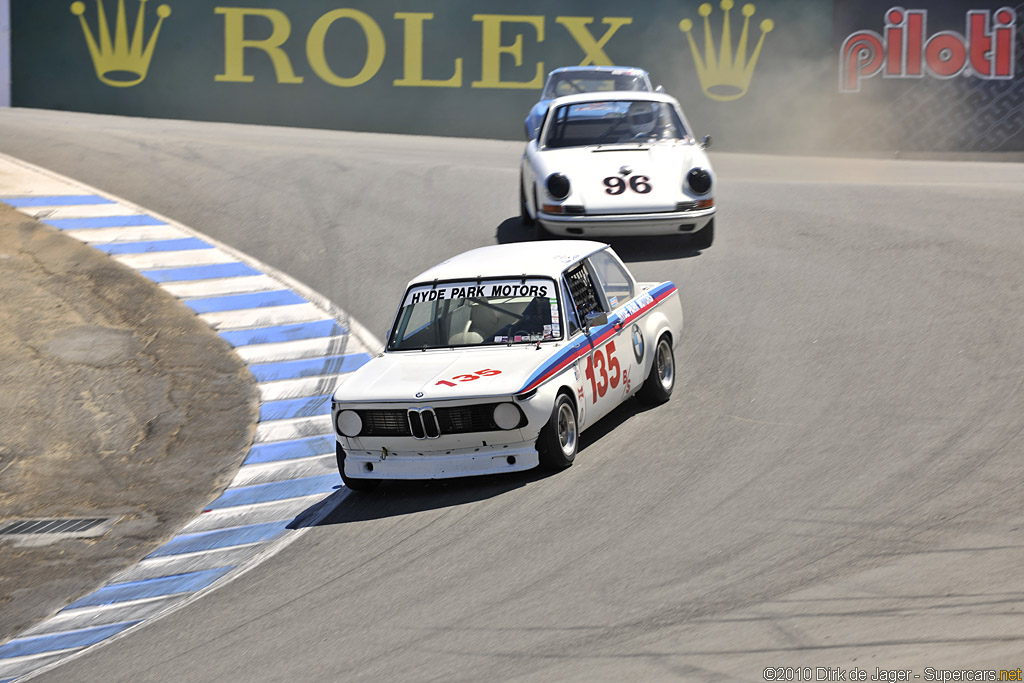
{"x": 836, "y": 481}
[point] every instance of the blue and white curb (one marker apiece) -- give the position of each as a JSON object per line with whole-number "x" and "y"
{"x": 298, "y": 347}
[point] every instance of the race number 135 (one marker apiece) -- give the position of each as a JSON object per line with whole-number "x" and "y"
{"x": 603, "y": 370}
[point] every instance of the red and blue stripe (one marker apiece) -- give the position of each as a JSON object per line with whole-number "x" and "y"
{"x": 598, "y": 336}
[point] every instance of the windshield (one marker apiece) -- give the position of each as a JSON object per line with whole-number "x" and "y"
{"x": 613, "y": 121}
{"x": 572, "y": 83}
{"x": 477, "y": 313}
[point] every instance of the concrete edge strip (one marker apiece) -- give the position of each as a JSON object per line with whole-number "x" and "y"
{"x": 297, "y": 345}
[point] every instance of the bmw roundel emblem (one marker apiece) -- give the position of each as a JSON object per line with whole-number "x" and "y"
{"x": 419, "y": 394}
{"x": 638, "y": 343}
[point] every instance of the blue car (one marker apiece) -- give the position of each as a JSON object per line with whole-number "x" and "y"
{"x": 572, "y": 80}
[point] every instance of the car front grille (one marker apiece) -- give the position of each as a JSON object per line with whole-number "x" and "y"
{"x": 427, "y": 423}
{"x": 384, "y": 423}
{"x": 465, "y": 419}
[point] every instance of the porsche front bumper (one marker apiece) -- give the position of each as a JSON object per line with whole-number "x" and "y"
{"x": 660, "y": 223}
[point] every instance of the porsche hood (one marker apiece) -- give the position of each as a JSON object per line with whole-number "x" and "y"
{"x": 652, "y": 175}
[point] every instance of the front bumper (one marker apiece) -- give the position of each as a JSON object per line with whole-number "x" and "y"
{"x": 663, "y": 223}
{"x": 447, "y": 464}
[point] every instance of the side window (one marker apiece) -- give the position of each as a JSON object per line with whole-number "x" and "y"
{"x": 582, "y": 289}
{"x": 616, "y": 281}
{"x": 572, "y": 321}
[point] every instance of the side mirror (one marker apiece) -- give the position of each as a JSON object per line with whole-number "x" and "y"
{"x": 596, "y": 320}
{"x": 705, "y": 142}
{"x": 660, "y": 88}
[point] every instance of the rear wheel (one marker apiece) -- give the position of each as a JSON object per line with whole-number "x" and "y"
{"x": 661, "y": 379}
{"x": 705, "y": 237}
{"x": 559, "y": 438}
{"x": 354, "y": 484}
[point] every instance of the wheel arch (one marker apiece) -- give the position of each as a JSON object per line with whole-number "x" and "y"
{"x": 568, "y": 391}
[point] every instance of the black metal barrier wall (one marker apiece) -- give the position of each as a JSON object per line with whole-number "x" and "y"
{"x": 766, "y": 75}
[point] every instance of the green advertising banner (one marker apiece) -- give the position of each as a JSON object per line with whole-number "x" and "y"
{"x": 754, "y": 75}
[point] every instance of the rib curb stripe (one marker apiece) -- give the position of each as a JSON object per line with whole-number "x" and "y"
{"x": 270, "y": 335}
{"x": 102, "y": 222}
{"x": 290, "y": 429}
{"x": 58, "y": 200}
{"x": 33, "y": 645}
{"x": 200, "y": 272}
{"x": 186, "y": 244}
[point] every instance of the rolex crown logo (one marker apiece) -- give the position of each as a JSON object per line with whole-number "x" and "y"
{"x": 725, "y": 76}
{"x": 118, "y": 62}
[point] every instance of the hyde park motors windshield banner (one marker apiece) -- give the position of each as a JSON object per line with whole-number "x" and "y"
{"x": 766, "y": 75}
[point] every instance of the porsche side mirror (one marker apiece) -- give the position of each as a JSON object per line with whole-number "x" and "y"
{"x": 705, "y": 142}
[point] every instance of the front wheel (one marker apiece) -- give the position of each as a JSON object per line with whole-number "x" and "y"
{"x": 524, "y": 212}
{"x": 354, "y": 484}
{"x": 539, "y": 231}
{"x": 661, "y": 379}
{"x": 559, "y": 438}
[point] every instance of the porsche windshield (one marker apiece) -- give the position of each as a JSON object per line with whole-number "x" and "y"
{"x": 612, "y": 122}
{"x": 574, "y": 82}
{"x": 477, "y": 313}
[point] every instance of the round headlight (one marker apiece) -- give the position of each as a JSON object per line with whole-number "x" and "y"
{"x": 506, "y": 416}
{"x": 558, "y": 186}
{"x": 699, "y": 180}
{"x": 349, "y": 423}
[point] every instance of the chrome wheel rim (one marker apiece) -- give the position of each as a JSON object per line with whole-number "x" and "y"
{"x": 666, "y": 366}
{"x": 566, "y": 429}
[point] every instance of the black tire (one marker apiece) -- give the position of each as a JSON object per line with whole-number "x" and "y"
{"x": 559, "y": 438}
{"x": 354, "y": 484}
{"x": 705, "y": 237}
{"x": 524, "y": 213}
{"x": 661, "y": 379}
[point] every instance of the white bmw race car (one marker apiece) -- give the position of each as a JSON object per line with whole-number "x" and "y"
{"x": 498, "y": 358}
{"x": 618, "y": 163}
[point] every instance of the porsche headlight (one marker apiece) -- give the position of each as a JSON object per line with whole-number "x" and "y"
{"x": 699, "y": 180}
{"x": 558, "y": 186}
{"x": 507, "y": 415}
{"x": 349, "y": 423}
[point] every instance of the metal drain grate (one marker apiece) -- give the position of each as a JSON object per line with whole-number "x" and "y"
{"x": 52, "y": 526}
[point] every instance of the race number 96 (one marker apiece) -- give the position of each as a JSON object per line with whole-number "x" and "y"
{"x": 640, "y": 184}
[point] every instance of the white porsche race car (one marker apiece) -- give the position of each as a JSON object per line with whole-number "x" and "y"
{"x": 618, "y": 163}
{"x": 499, "y": 357}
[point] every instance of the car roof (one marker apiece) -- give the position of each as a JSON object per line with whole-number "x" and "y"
{"x": 546, "y": 258}
{"x": 614, "y": 95}
{"x": 606, "y": 69}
